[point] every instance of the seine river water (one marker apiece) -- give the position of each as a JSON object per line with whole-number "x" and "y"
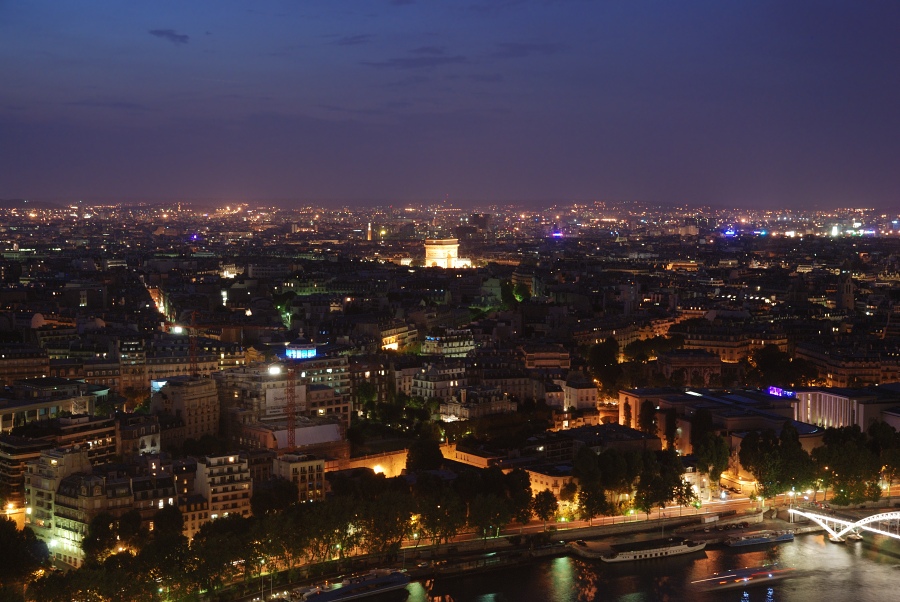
{"x": 823, "y": 571}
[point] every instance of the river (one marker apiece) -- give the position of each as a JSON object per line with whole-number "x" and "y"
{"x": 824, "y": 571}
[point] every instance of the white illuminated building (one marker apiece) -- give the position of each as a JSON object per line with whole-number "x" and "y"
{"x": 444, "y": 253}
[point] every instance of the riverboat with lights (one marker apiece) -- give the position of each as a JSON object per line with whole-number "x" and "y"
{"x": 652, "y": 550}
{"x": 759, "y": 537}
{"x": 373, "y": 583}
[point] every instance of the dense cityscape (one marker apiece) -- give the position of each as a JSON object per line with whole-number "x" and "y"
{"x": 479, "y": 301}
{"x": 262, "y": 394}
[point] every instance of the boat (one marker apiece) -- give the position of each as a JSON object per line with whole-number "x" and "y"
{"x": 836, "y": 539}
{"x": 854, "y": 535}
{"x": 759, "y": 537}
{"x": 653, "y": 550}
{"x": 743, "y": 577}
{"x": 376, "y": 582}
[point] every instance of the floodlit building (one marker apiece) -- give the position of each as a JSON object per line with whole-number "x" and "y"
{"x": 449, "y": 343}
{"x": 444, "y": 253}
{"x": 224, "y": 481}
{"x": 579, "y": 393}
{"x": 307, "y": 471}
{"x": 42, "y": 481}
{"x": 300, "y": 350}
{"x": 839, "y": 407}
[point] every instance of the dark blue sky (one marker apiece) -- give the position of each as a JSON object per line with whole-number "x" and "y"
{"x": 775, "y": 103}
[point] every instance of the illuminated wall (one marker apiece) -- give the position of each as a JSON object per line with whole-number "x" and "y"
{"x": 300, "y": 353}
{"x": 444, "y": 253}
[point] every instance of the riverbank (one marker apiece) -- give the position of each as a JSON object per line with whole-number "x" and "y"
{"x": 603, "y": 539}
{"x": 425, "y": 562}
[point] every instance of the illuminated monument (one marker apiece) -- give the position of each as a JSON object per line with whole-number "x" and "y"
{"x": 444, "y": 253}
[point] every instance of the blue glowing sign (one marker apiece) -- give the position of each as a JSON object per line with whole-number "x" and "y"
{"x": 779, "y": 392}
{"x": 300, "y": 354}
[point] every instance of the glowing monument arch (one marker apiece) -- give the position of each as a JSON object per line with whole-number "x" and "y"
{"x": 444, "y": 253}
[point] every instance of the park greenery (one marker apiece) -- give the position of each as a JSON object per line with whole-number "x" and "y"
{"x": 23, "y": 556}
{"x": 855, "y": 466}
{"x": 373, "y": 516}
{"x": 366, "y": 514}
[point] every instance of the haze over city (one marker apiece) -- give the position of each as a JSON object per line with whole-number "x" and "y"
{"x": 764, "y": 104}
{"x": 422, "y": 301}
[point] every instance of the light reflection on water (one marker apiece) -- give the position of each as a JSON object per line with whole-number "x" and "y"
{"x": 858, "y": 571}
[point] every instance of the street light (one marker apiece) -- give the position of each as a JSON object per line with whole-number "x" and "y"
{"x": 262, "y": 582}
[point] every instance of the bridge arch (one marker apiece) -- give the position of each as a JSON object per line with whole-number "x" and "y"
{"x": 848, "y": 526}
{"x": 816, "y": 519}
{"x": 875, "y": 518}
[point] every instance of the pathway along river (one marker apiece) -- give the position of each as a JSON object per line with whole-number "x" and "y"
{"x": 824, "y": 572}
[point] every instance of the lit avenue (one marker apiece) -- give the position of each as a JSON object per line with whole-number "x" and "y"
{"x": 275, "y": 395}
{"x": 410, "y": 301}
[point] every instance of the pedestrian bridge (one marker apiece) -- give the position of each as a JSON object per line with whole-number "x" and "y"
{"x": 886, "y": 523}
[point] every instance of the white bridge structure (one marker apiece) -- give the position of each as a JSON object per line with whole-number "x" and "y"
{"x": 886, "y": 523}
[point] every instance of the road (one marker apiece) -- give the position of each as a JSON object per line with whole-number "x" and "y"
{"x": 735, "y": 502}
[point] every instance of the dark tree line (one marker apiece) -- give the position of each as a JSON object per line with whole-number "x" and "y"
{"x": 852, "y": 464}
{"x": 607, "y": 481}
{"x": 367, "y": 514}
{"x": 22, "y": 554}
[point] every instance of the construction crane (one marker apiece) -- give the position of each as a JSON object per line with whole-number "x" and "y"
{"x": 192, "y": 329}
{"x": 291, "y": 408}
{"x": 192, "y": 340}
{"x": 887, "y": 325}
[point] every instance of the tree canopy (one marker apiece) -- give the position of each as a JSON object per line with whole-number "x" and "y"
{"x": 424, "y": 454}
{"x": 23, "y": 552}
{"x": 778, "y": 462}
{"x": 647, "y": 417}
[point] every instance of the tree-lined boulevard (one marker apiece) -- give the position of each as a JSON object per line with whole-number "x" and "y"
{"x": 384, "y": 519}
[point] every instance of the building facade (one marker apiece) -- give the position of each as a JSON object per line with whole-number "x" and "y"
{"x": 194, "y": 400}
{"x": 307, "y": 471}
{"x": 224, "y": 481}
{"x": 444, "y": 253}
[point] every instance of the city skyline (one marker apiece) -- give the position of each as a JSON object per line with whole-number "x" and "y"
{"x": 771, "y": 105}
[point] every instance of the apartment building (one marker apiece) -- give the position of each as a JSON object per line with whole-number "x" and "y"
{"x": 18, "y": 361}
{"x": 224, "y": 481}
{"x": 307, "y": 471}
{"x": 194, "y": 400}
{"x": 42, "y": 482}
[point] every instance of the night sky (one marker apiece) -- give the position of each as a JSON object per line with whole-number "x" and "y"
{"x": 752, "y": 103}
